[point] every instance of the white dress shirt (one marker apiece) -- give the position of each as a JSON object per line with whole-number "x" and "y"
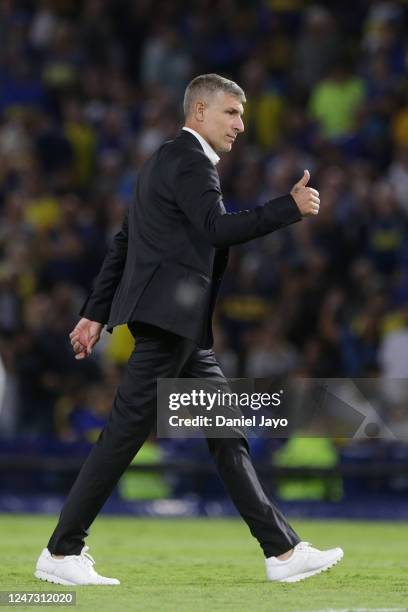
{"x": 208, "y": 150}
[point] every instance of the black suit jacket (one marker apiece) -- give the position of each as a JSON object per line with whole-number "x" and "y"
{"x": 166, "y": 263}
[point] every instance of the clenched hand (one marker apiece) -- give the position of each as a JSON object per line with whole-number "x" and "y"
{"x": 306, "y": 198}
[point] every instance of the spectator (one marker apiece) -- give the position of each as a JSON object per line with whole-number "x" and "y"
{"x": 335, "y": 103}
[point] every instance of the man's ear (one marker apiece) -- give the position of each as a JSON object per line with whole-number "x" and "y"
{"x": 199, "y": 111}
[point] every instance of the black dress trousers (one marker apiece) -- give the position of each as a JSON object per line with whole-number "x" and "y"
{"x": 160, "y": 354}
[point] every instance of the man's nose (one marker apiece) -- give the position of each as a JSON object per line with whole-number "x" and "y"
{"x": 239, "y": 125}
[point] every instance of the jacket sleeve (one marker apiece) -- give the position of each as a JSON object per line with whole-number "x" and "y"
{"x": 198, "y": 194}
{"x": 98, "y": 303}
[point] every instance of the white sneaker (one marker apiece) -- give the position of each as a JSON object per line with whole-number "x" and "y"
{"x": 305, "y": 561}
{"x": 72, "y": 570}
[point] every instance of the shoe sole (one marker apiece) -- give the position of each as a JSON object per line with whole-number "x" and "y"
{"x": 299, "y": 577}
{"x": 51, "y": 578}
{"x": 57, "y": 580}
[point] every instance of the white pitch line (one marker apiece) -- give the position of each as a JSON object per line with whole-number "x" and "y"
{"x": 357, "y": 610}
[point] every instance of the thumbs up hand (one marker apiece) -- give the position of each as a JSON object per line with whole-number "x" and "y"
{"x": 306, "y": 198}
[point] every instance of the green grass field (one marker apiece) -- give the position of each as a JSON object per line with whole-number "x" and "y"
{"x": 210, "y": 565}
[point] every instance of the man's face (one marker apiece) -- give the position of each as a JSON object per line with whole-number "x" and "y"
{"x": 220, "y": 120}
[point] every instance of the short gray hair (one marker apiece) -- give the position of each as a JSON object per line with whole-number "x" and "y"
{"x": 207, "y": 85}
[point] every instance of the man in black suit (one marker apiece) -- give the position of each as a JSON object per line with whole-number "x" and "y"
{"x": 161, "y": 277}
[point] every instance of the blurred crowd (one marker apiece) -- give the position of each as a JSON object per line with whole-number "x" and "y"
{"x": 89, "y": 89}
